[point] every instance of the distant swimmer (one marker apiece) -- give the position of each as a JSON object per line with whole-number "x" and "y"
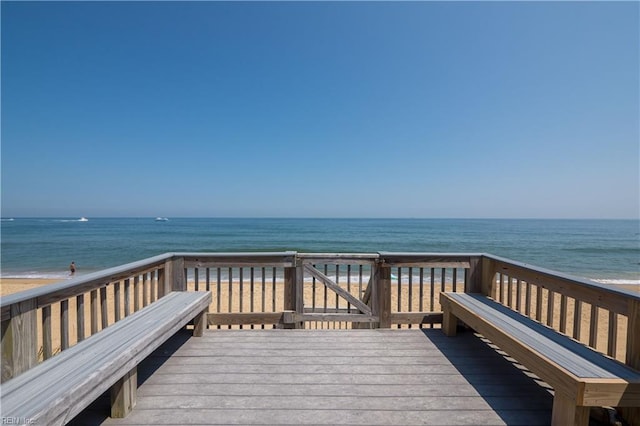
{"x": 72, "y": 268}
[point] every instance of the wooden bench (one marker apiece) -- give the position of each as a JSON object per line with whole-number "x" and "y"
{"x": 580, "y": 376}
{"x": 56, "y": 390}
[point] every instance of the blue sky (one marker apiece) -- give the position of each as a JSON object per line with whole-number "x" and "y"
{"x": 321, "y": 109}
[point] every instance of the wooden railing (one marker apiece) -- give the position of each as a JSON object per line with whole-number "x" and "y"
{"x": 603, "y": 317}
{"x": 317, "y": 290}
{"x": 38, "y": 323}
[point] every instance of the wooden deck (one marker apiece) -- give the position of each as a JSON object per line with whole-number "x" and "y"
{"x": 330, "y": 377}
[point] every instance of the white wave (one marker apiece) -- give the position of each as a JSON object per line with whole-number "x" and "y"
{"x": 32, "y": 275}
{"x": 618, "y": 282}
{"x": 82, "y": 219}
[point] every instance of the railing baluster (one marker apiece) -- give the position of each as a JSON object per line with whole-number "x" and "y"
{"x": 432, "y": 290}
{"x": 94, "y": 311}
{"x": 349, "y": 286}
{"x": 104, "y": 308}
{"x": 612, "y": 341}
{"x": 241, "y": 289}
{"x": 360, "y": 282}
{"x": 421, "y": 291}
{"x": 136, "y": 293}
{"x": 263, "y": 304}
{"x": 337, "y": 297}
{"x": 550, "y": 308}
{"x": 218, "y": 290}
{"x": 325, "y": 291}
{"x": 577, "y": 319}
{"x": 410, "y": 292}
{"x": 127, "y": 298}
{"x": 313, "y": 294}
{"x": 273, "y": 289}
{"x": 399, "y": 291}
{"x": 593, "y": 327}
{"x": 454, "y": 279}
{"x": 230, "y": 309}
{"x": 538, "y": 303}
{"x": 47, "y": 347}
{"x": 145, "y": 289}
{"x": 80, "y": 317}
{"x": 152, "y": 287}
{"x": 563, "y": 313}
{"x": 251, "y": 291}
{"x": 64, "y": 324}
{"x": 116, "y": 300}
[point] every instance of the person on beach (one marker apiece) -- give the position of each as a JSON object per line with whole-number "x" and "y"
{"x": 72, "y": 268}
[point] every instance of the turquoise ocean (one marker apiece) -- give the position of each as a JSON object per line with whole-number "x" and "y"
{"x": 606, "y": 251}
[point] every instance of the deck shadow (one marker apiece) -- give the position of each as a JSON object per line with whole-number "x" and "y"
{"x": 497, "y": 378}
{"x": 98, "y": 411}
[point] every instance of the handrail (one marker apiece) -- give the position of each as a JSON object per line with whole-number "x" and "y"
{"x": 539, "y": 274}
{"x": 75, "y": 286}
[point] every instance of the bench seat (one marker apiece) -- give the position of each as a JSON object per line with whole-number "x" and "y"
{"x": 56, "y": 390}
{"x": 580, "y": 376}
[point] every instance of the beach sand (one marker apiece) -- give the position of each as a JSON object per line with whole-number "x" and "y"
{"x": 275, "y": 302}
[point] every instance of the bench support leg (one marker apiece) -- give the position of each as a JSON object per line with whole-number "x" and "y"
{"x": 566, "y": 412}
{"x": 449, "y": 323}
{"x": 200, "y": 323}
{"x": 123, "y": 394}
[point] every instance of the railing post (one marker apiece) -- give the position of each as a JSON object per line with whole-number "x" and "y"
{"x": 481, "y": 277}
{"x": 381, "y": 293}
{"x": 293, "y": 292}
{"x": 474, "y": 277}
{"x": 178, "y": 281}
{"x": 19, "y": 340}
{"x": 171, "y": 277}
{"x": 632, "y": 414}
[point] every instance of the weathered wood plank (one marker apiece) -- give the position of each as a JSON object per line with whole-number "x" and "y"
{"x": 416, "y": 317}
{"x": 370, "y": 416}
{"x": 480, "y": 388}
{"x": 213, "y": 260}
{"x": 335, "y": 317}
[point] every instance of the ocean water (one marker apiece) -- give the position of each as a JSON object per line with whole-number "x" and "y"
{"x": 607, "y": 251}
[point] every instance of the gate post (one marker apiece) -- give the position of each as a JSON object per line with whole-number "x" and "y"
{"x": 293, "y": 292}
{"x": 381, "y": 293}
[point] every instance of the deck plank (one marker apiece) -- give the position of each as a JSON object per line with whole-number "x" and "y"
{"x": 373, "y": 377}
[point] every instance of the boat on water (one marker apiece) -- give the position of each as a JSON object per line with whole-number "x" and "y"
{"x": 83, "y": 219}
{"x": 161, "y": 219}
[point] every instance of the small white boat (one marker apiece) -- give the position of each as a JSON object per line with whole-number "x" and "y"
{"x": 83, "y": 219}
{"x": 161, "y": 219}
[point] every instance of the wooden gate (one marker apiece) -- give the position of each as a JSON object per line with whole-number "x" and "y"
{"x": 346, "y": 298}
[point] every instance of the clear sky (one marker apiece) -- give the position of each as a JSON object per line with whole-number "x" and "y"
{"x": 321, "y": 109}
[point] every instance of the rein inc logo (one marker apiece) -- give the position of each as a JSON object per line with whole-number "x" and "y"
{"x": 18, "y": 421}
